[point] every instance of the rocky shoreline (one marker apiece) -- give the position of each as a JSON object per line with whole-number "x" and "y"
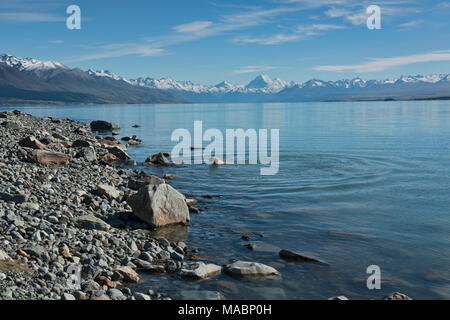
{"x": 74, "y": 226}
{"x": 63, "y": 210}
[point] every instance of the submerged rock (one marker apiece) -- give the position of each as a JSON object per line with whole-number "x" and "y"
{"x": 159, "y": 159}
{"x": 246, "y": 269}
{"x": 291, "y": 256}
{"x": 159, "y": 205}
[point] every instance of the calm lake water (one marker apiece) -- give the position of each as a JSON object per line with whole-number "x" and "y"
{"x": 359, "y": 184}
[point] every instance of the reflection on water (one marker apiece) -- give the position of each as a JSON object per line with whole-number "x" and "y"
{"x": 359, "y": 184}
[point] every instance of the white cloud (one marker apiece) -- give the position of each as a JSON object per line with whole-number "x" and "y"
{"x": 300, "y": 32}
{"x": 29, "y": 17}
{"x": 410, "y": 25}
{"x": 193, "y": 27}
{"x": 380, "y": 64}
{"x": 253, "y": 69}
{"x": 120, "y": 50}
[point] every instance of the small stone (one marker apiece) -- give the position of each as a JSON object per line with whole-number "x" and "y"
{"x": 4, "y": 256}
{"x": 129, "y": 275}
{"x": 67, "y": 296}
{"x": 66, "y": 253}
{"x": 108, "y": 191}
{"x": 81, "y": 144}
{"x": 16, "y": 198}
{"x": 31, "y": 142}
{"x": 104, "y": 281}
{"x": 48, "y": 157}
{"x": 141, "y": 296}
{"x": 30, "y": 206}
{"x": 116, "y": 294}
{"x": 91, "y": 223}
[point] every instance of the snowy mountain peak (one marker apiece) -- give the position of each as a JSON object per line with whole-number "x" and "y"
{"x": 105, "y": 74}
{"x": 261, "y": 81}
{"x": 29, "y": 64}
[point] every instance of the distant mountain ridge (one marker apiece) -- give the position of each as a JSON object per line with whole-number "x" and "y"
{"x": 265, "y": 89}
{"x": 32, "y": 79}
{"x": 26, "y": 80}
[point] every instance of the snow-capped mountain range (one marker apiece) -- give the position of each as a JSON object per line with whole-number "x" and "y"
{"x": 262, "y": 88}
{"x": 264, "y": 84}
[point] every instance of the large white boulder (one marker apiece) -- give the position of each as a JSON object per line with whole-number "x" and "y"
{"x": 159, "y": 205}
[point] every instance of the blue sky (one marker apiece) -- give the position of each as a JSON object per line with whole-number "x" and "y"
{"x": 208, "y": 41}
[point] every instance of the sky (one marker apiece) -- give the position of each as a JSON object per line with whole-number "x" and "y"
{"x": 209, "y": 41}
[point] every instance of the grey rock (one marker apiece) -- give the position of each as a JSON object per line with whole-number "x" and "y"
{"x": 108, "y": 191}
{"x": 4, "y": 255}
{"x": 16, "y": 198}
{"x": 116, "y": 294}
{"x": 119, "y": 153}
{"x": 101, "y": 125}
{"x": 159, "y": 205}
{"x": 246, "y": 269}
{"x": 91, "y": 223}
{"x": 67, "y": 296}
{"x": 141, "y": 296}
{"x": 199, "y": 270}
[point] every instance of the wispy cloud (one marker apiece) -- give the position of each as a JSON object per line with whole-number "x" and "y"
{"x": 411, "y": 25}
{"x": 253, "y": 69}
{"x": 380, "y": 64}
{"x": 354, "y": 12}
{"x": 30, "y": 11}
{"x": 299, "y": 33}
{"x": 22, "y": 17}
{"x": 193, "y": 27}
{"x": 192, "y": 31}
{"x": 119, "y": 50}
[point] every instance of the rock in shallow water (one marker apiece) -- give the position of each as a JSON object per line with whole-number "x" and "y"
{"x": 246, "y": 269}
{"x": 199, "y": 270}
{"x": 159, "y": 205}
{"x": 291, "y": 256}
{"x": 104, "y": 125}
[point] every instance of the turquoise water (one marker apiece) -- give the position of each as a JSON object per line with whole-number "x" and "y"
{"x": 359, "y": 184}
